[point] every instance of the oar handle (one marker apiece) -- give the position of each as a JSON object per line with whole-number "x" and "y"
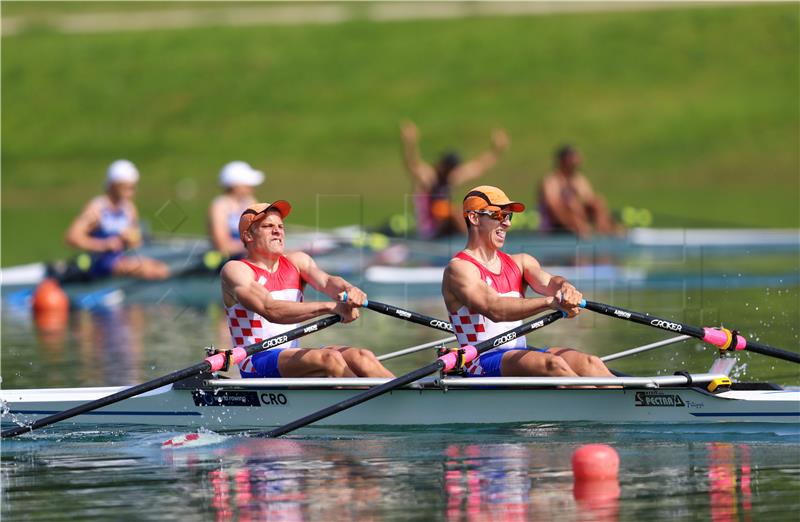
{"x": 722, "y": 338}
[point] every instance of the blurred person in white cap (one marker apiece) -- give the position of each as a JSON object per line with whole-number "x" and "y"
{"x": 263, "y": 297}
{"x": 108, "y": 226}
{"x": 238, "y": 180}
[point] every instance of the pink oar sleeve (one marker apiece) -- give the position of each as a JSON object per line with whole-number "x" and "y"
{"x": 450, "y": 359}
{"x": 217, "y": 361}
{"x": 721, "y": 338}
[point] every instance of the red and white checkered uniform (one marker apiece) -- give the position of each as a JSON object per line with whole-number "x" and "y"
{"x": 471, "y": 327}
{"x": 248, "y": 327}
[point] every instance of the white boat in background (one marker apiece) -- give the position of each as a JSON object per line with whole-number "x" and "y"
{"x": 433, "y": 275}
{"x": 714, "y": 237}
{"x": 234, "y": 404}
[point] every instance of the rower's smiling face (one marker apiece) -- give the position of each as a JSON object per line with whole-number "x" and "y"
{"x": 268, "y": 234}
{"x": 492, "y": 227}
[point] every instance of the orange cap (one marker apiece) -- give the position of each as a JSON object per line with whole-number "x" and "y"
{"x": 486, "y": 196}
{"x": 258, "y": 211}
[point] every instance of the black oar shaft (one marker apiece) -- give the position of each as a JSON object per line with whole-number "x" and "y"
{"x": 409, "y": 316}
{"x": 704, "y": 334}
{"x": 358, "y": 399}
{"x": 771, "y": 351}
{"x": 412, "y": 376}
{"x": 110, "y": 399}
{"x": 173, "y": 377}
{"x": 646, "y": 319}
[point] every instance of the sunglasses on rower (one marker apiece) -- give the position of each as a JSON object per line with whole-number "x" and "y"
{"x": 497, "y": 215}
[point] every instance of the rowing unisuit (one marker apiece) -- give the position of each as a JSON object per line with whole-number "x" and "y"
{"x": 113, "y": 221}
{"x": 248, "y": 327}
{"x": 471, "y": 328}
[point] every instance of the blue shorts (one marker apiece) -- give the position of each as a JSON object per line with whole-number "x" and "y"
{"x": 492, "y": 362}
{"x": 103, "y": 264}
{"x": 265, "y": 364}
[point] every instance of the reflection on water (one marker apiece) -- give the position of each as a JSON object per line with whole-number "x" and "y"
{"x": 729, "y": 477}
{"x": 495, "y": 474}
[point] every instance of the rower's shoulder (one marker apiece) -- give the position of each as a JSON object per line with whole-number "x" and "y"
{"x": 525, "y": 261}
{"x": 458, "y": 266}
{"x": 299, "y": 259}
{"x": 98, "y": 202}
{"x": 235, "y": 269}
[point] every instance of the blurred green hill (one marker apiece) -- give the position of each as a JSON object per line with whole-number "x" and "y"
{"x": 692, "y": 113}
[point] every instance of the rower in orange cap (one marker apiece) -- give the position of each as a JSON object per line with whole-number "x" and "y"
{"x": 263, "y": 296}
{"x": 484, "y": 292}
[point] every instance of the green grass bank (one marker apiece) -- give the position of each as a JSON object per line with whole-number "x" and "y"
{"x": 692, "y": 113}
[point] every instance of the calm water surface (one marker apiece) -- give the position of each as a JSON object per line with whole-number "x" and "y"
{"x": 519, "y": 472}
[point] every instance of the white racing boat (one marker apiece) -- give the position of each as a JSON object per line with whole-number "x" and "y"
{"x": 232, "y": 404}
{"x": 195, "y": 396}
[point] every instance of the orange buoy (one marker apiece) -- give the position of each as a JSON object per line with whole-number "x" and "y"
{"x": 595, "y": 462}
{"x": 596, "y": 489}
{"x": 49, "y": 297}
{"x": 50, "y": 314}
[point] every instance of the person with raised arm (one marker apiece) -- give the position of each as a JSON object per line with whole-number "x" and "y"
{"x": 434, "y": 212}
{"x": 263, "y": 296}
{"x": 484, "y": 292}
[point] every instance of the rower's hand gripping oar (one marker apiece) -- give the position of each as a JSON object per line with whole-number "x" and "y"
{"x": 446, "y": 362}
{"x": 209, "y": 364}
{"x": 721, "y": 337}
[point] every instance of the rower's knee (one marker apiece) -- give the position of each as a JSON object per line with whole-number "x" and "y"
{"x": 597, "y": 366}
{"x": 365, "y": 356}
{"x": 331, "y": 361}
{"x": 556, "y": 366}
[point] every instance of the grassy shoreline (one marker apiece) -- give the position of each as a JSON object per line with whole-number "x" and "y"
{"x": 691, "y": 113}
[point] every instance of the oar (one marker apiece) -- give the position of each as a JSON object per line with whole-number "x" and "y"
{"x": 209, "y": 364}
{"x": 445, "y": 362}
{"x": 407, "y": 315}
{"x": 723, "y": 338}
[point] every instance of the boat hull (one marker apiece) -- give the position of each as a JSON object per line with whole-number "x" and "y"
{"x": 256, "y": 406}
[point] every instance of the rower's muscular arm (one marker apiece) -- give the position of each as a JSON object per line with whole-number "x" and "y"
{"x": 78, "y": 234}
{"x": 462, "y": 285}
{"x": 477, "y": 167}
{"x": 330, "y": 285}
{"x": 238, "y": 285}
{"x": 567, "y": 297}
{"x": 423, "y": 173}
